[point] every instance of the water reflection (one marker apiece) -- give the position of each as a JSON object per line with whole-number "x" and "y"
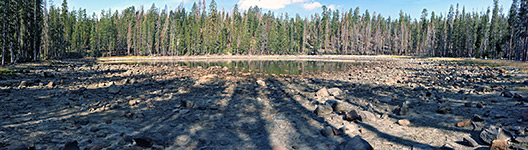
{"x": 263, "y": 66}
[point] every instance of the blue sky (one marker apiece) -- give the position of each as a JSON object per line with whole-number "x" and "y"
{"x": 303, "y": 7}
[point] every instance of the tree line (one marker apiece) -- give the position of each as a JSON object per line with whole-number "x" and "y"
{"x": 32, "y": 31}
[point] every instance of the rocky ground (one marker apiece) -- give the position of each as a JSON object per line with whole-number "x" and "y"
{"x": 383, "y": 104}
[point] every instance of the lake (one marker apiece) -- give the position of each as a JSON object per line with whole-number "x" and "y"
{"x": 266, "y": 67}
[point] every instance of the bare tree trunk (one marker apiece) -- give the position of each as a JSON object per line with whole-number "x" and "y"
{"x": 35, "y": 34}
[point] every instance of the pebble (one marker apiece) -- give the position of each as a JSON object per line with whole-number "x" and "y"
{"x": 404, "y": 122}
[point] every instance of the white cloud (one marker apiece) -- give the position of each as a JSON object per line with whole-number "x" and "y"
{"x": 279, "y": 4}
{"x": 266, "y": 4}
{"x": 298, "y": 1}
{"x": 332, "y": 7}
{"x": 311, "y": 5}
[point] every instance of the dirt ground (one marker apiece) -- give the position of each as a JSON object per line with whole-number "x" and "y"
{"x": 387, "y": 103}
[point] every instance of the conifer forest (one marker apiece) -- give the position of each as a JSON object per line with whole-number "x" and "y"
{"x": 34, "y": 30}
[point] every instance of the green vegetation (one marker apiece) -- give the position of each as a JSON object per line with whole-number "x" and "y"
{"x": 10, "y": 71}
{"x": 33, "y": 31}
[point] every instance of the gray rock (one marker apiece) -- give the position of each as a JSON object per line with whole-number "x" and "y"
{"x": 403, "y": 109}
{"x": 188, "y": 104}
{"x": 477, "y": 118}
{"x": 182, "y": 140}
{"x": 323, "y": 110}
{"x": 338, "y": 106}
{"x": 349, "y": 129}
{"x": 352, "y": 115}
{"x": 23, "y": 84}
{"x": 48, "y": 75}
{"x": 448, "y": 146}
{"x": 51, "y": 84}
{"x": 367, "y": 116}
{"x": 327, "y": 131}
{"x": 386, "y": 100}
{"x": 143, "y": 142}
{"x": 322, "y": 92}
{"x": 356, "y": 143}
{"x": 335, "y": 91}
{"x": 483, "y": 89}
{"x": 113, "y": 89}
{"x": 521, "y": 139}
{"x": 419, "y": 88}
{"x": 71, "y": 146}
{"x": 491, "y": 132}
{"x": 507, "y": 94}
{"x": 470, "y": 141}
{"x": 444, "y": 108}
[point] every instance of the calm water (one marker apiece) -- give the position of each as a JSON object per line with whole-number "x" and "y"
{"x": 265, "y": 66}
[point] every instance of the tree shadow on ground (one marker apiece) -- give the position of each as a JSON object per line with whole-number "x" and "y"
{"x": 180, "y": 112}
